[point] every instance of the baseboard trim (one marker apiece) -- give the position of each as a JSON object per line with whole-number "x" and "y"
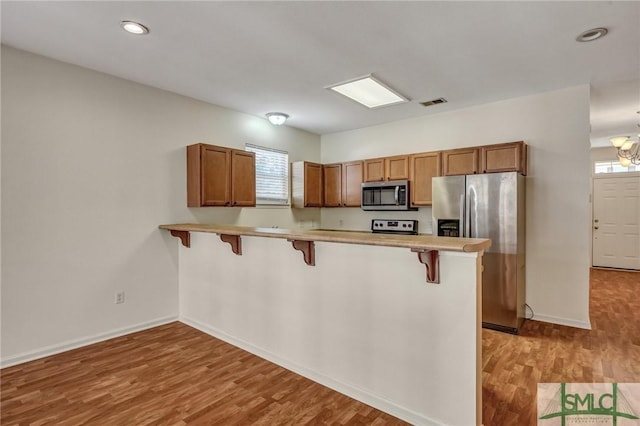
{"x": 563, "y": 321}
{"x": 77, "y": 343}
{"x": 344, "y": 388}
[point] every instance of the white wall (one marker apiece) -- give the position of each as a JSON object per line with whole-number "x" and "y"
{"x": 348, "y": 322}
{"x": 91, "y": 165}
{"x": 608, "y": 153}
{"x": 555, "y": 125}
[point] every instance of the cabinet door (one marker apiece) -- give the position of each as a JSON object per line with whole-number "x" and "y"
{"x": 313, "y": 186}
{"x": 243, "y": 178}
{"x": 352, "y": 184}
{"x": 332, "y": 185}
{"x": 397, "y": 168}
{"x": 460, "y": 161}
{"x": 506, "y": 157}
{"x": 423, "y": 167}
{"x": 374, "y": 170}
{"x": 215, "y": 175}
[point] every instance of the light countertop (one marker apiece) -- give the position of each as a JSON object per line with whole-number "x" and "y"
{"x": 422, "y": 241}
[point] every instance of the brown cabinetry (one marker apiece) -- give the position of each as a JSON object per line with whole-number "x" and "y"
{"x": 352, "y": 184}
{"x": 397, "y": 168}
{"x": 219, "y": 176}
{"x": 306, "y": 184}
{"x": 343, "y": 184}
{"x": 505, "y": 157}
{"x": 388, "y": 168}
{"x": 374, "y": 170}
{"x": 243, "y": 178}
{"x": 422, "y": 169}
{"x": 332, "y": 185}
{"x": 463, "y": 161}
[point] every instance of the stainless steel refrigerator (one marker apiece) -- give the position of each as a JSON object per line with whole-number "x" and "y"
{"x": 489, "y": 206}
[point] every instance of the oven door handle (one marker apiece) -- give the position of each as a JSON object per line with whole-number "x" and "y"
{"x": 396, "y": 194}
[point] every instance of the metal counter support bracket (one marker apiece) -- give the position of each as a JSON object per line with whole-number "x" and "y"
{"x": 184, "y": 236}
{"x": 431, "y": 260}
{"x": 235, "y": 241}
{"x": 308, "y": 249}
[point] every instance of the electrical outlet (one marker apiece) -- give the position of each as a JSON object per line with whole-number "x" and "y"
{"x": 120, "y": 297}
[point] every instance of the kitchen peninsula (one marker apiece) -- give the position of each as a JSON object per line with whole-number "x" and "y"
{"x": 353, "y": 311}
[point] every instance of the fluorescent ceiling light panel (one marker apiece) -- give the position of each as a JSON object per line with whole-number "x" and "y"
{"x": 369, "y": 92}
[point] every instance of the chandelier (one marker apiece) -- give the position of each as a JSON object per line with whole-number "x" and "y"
{"x": 628, "y": 149}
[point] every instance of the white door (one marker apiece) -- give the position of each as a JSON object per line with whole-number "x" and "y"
{"x": 616, "y": 222}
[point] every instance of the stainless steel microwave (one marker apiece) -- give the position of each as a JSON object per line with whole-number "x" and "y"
{"x": 389, "y": 195}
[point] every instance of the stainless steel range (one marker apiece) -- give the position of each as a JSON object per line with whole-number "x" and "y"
{"x": 394, "y": 226}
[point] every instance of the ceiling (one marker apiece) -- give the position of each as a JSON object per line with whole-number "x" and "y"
{"x": 261, "y": 56}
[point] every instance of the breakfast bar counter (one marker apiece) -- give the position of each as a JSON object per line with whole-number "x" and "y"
{"x": 336, "y": 236}
{"x": 356, "y": 316}
{"x": 426, "y": 246}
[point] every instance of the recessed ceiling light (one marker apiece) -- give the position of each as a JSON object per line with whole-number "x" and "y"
{"x": 134, "y": 27}
{"x": 592, "y": 34}
{"x": 369, "y": 92}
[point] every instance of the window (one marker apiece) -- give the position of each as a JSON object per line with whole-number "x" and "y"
{"x": 613, "y": 167}
{"x": 272, "y": 175}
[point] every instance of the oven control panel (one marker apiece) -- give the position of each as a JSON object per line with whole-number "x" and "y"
{"x": 394, "y": 226}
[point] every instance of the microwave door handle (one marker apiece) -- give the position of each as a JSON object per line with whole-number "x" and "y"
{"x": 396, "y": 194}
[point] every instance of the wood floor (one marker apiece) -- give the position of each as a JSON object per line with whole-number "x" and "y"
{"x": 547, "y": 353}
{"x": 170, "y": 375}
{"x": 176, "y": 375}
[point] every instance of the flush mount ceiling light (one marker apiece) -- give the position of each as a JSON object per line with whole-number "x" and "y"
{"x": 134, "y": 27}
{"x": 592, "y": 34}
{"x": 369, "y": 92}
{"x": 277, "y": 118}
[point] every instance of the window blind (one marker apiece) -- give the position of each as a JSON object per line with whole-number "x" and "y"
{"x": 272, "y": 175}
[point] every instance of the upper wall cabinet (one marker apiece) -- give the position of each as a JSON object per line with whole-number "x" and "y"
{"x": 422, "y": 169}
{"x": 343, "y": 184}
{"x": 219, "y": 176}
{"x": 306, "y": 184}
{"x": 243, "y": 178}
{"x": 352, "y": 184}
{"x": 388, "y": 168}
{"x": 463, "y": 161}
{"x": 505, "y": 157}
{"x": 374, "y": 170}
{"x": 332, "y": 174}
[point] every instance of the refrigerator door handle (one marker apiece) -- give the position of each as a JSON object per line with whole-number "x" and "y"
{"x": 467, "y": 216}
{"x": 463, "y": 222}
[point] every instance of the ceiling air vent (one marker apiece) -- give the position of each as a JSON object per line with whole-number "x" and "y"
{"x": 433, "y": 102}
